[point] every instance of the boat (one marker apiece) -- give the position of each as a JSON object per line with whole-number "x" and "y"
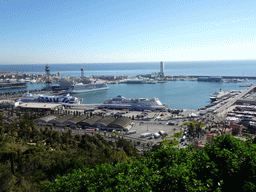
{"x": 245, "y": 85}
{"x": 134, "y": 81}
{"x": 137, "y": 104}
{"x": 219, "y": 95}
{"x": 12, "y": 85}
{"x": 151, "y": 82}
{"x": 161, "y": 81}
{"x": 83, "y": 88}
{"x": 27, "y": 79}
{"x": 33, "y": 81}
{"x": 64, "y": 98}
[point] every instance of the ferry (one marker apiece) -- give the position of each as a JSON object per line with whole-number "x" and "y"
{"x": 219, "y": 95}
{"x": 139, "y": 103}
{"x": 64, "y": 98}
{"x": 82, "y": 88}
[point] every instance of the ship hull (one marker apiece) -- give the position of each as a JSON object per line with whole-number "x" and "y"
{"x": 87, "y": 90}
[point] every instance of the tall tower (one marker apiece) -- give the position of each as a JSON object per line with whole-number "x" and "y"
{"x": 161, "y": 69}
{"x": 48, "y": 82}
{"x": 82, "y": 72}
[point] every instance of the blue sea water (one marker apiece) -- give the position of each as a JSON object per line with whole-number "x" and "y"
{"x": 212, "y": 68}
{"x": 176, "y": 94}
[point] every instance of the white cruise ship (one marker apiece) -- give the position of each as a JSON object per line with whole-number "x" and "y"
{"x": 65, "y": 98}
{"x": 219, "y": 95}
{"x": 82, "y": 88}
{"x": 139, "y": 103}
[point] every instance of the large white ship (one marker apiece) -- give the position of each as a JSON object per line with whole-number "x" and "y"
{"x": 82, "y": 88}
{"x": 65, "y": 98}
{"x": 219, "y": 95}
{"x": 139, "y": 103}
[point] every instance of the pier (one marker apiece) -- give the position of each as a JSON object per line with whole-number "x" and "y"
{"x": 233, "y": 100}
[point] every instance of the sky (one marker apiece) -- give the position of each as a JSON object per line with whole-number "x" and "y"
{"x": 112, "y": 31}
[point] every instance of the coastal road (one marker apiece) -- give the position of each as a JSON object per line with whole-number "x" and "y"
{"x": 223, "y": 108}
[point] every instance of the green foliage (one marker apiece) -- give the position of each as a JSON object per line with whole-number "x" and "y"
{"x": 170, "y": 142}
{"x": 178, "y": 135}
{"x": 32, "y": 157}
{"x": 227, "y": 166}
{"x": 194, "y": 123}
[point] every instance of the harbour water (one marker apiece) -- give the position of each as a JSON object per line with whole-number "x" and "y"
{"x": 176, "y": 94}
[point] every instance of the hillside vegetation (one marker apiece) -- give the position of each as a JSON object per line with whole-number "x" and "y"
{"x": 32, "y": 157}
{"x": 227, "y": 166}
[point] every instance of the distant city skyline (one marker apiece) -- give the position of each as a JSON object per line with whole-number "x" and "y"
{"x": 77, "y": 31}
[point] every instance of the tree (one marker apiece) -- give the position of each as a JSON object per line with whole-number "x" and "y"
{"x": 219, "y": 168}
{"x": 164, "y": 136}
{"x": 174, "y": 129}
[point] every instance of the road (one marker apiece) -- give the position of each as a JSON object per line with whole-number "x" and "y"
{"x": 233, "y": 100}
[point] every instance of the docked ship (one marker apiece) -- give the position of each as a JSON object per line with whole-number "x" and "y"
{"x": 12, "y": 85}
{"x": 64, "y": 98}
{"x": 245, "y": 85}
{"x": 134, "y": 81}
{"x": 219, "y": 95}
{"x": 82, "y": 88}
{"x": 121, "y": 102}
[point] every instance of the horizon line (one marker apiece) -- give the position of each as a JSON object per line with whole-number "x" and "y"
{"x": 127, "y": 62}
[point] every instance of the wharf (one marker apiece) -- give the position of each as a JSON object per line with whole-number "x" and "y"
{"x": 225, "y": 107}
{"x": 224, "y": 78}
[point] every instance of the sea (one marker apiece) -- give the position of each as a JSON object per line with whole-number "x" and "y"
{"x": 176, "y": 94}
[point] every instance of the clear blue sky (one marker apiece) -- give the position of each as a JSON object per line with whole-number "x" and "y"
{"x": 85, "y": 31}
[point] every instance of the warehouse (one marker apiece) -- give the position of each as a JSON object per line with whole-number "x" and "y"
{"x": 104, "y": 122}
{"x": 74, "y": 121}
{"x": 88, "y": 122}
{"x": 120, "y": 123}
{"x": 46, "y": 119}
{"x": 60, "y": 121}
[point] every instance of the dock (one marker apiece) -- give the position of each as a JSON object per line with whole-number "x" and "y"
{"x": 233, "y": 100}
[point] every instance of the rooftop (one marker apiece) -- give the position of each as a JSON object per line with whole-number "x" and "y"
{"x": 39, "y": 105}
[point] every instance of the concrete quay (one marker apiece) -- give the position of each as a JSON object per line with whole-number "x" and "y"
{"x": 223, "y": 109}
{"x": 223, "y": 77}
